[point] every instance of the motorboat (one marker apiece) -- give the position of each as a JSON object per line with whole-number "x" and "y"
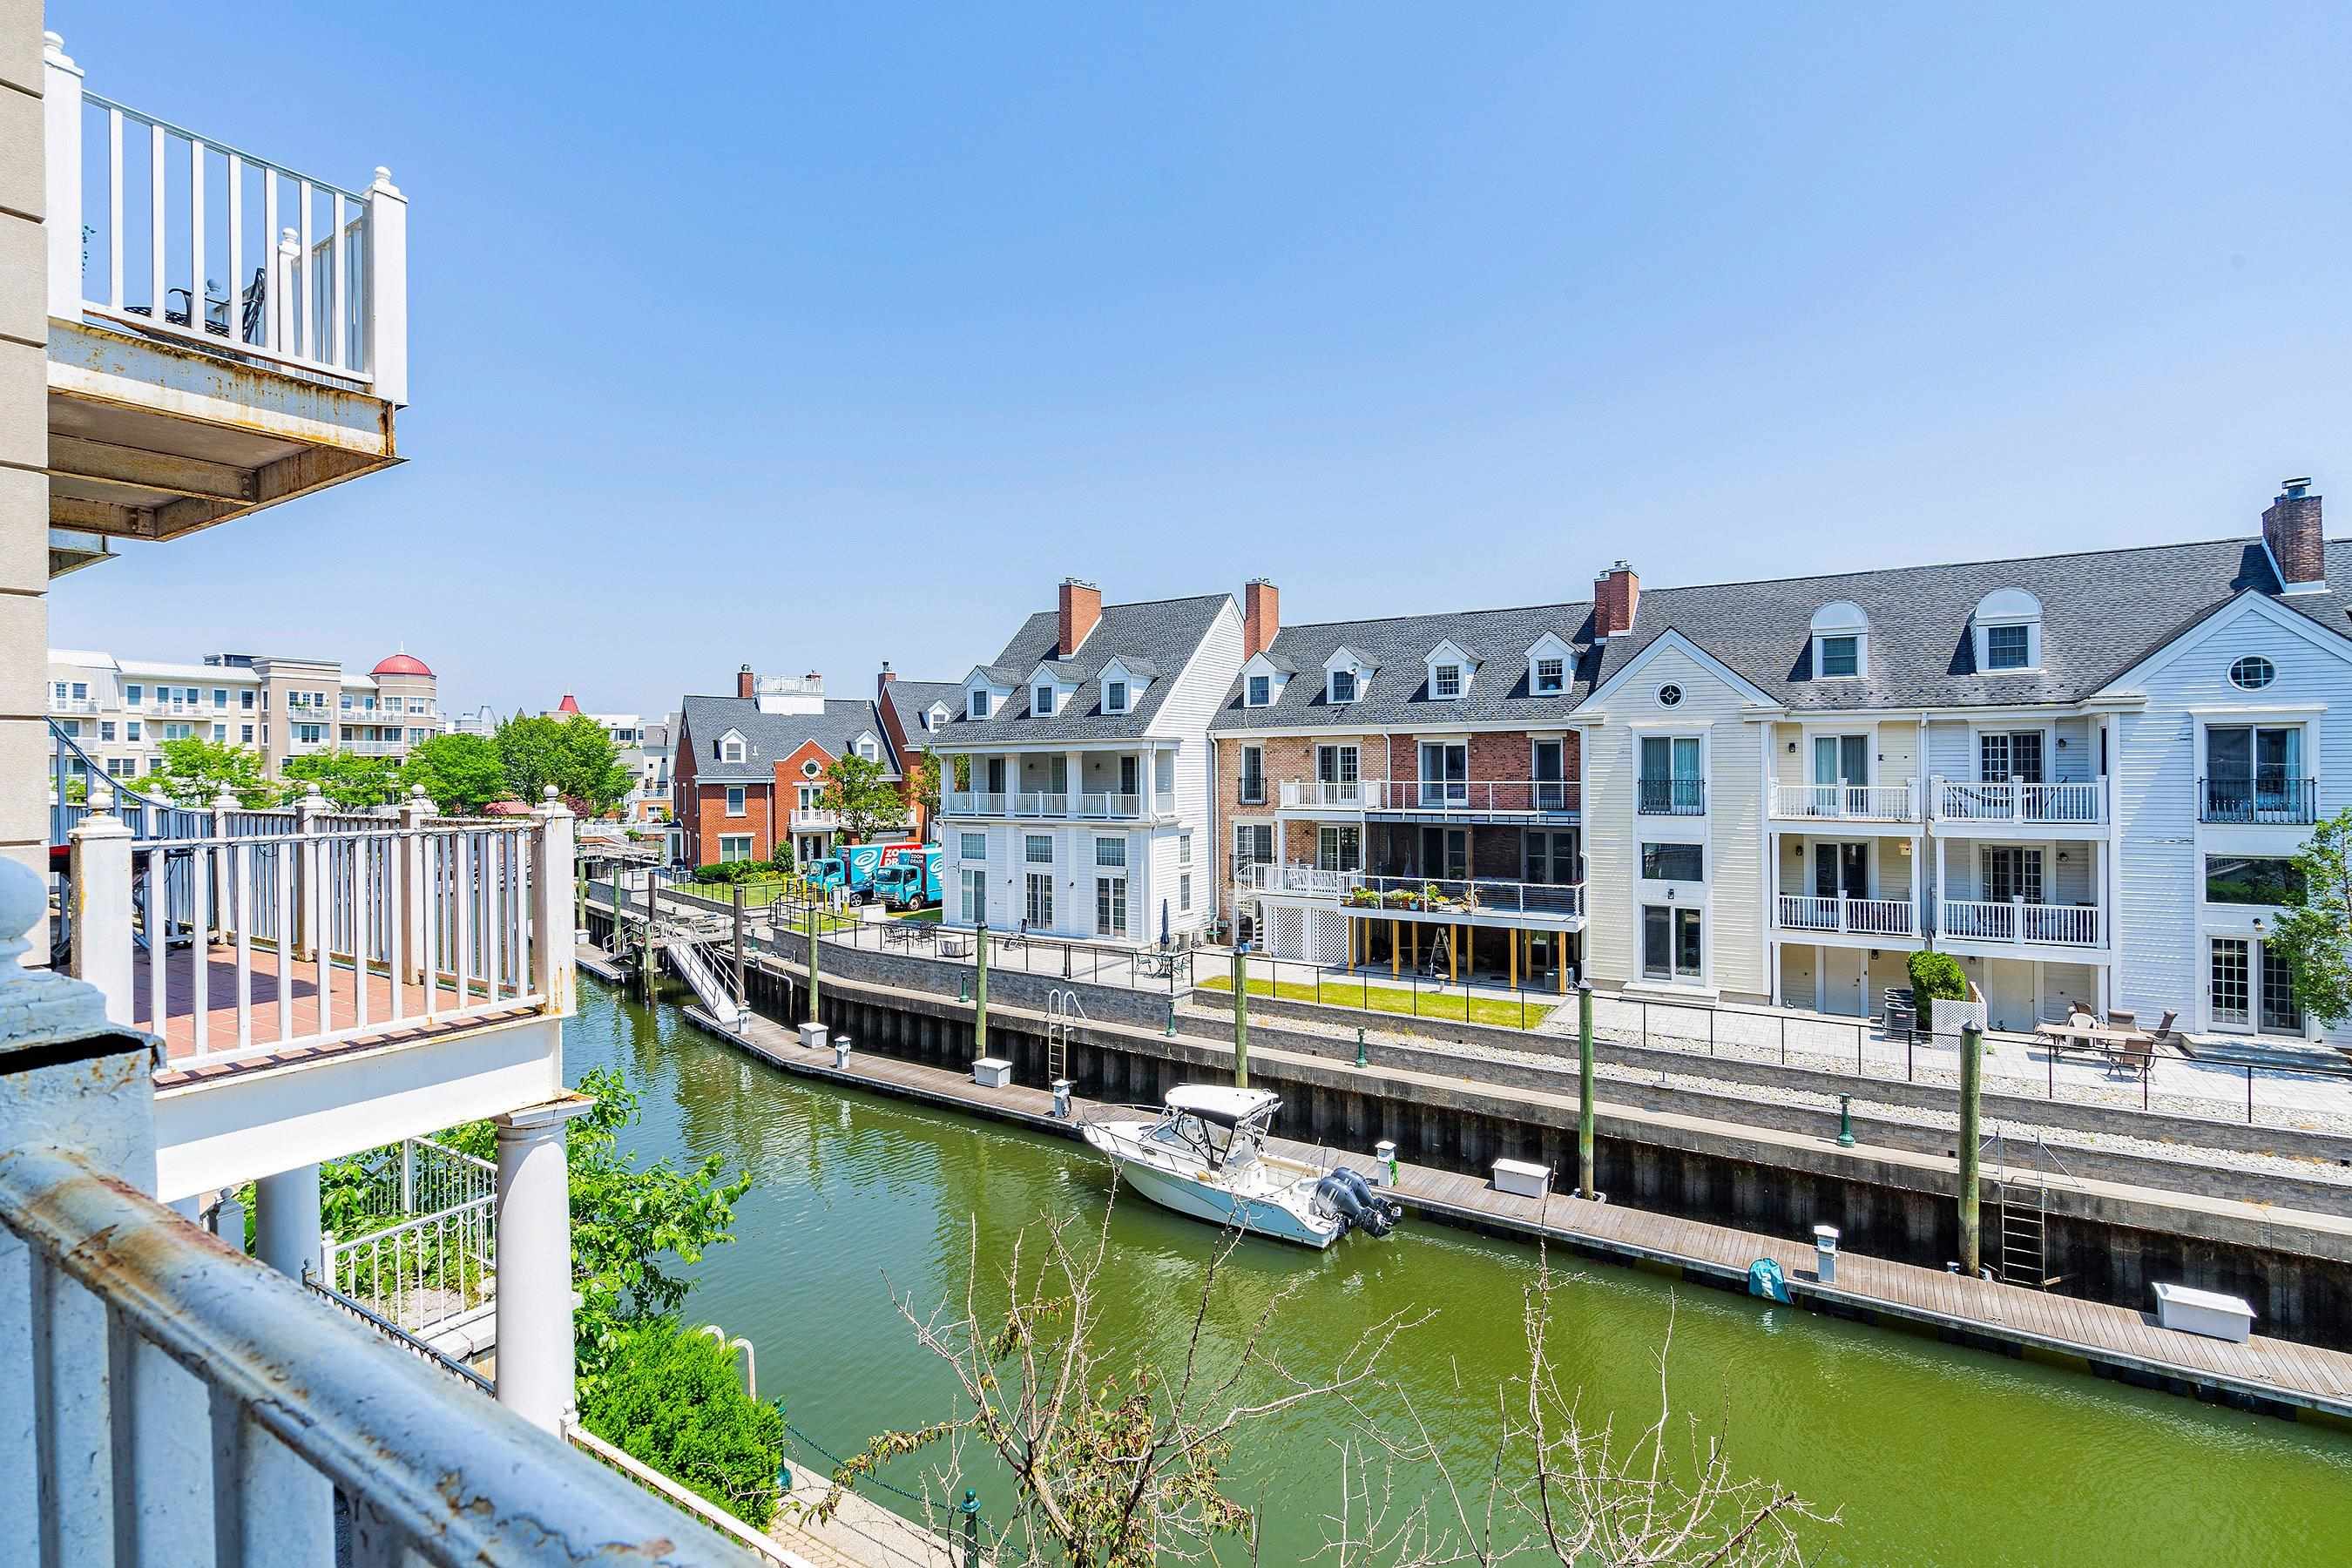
{"x": 1205, "y": 1155}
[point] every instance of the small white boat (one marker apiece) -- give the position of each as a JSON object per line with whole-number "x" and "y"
{"x": 1205, "y": 1156}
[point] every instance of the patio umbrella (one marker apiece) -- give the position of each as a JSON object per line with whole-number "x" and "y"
{"x": 1163, "y": 922}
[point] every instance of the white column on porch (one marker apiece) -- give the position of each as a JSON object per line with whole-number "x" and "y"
{"x": 1074, "y": 781}
{"x": 102, "y": 953}
{"x": 286, "y": 1221}
{"x": 534, "y": 1231}
{"x": 61, "y": 107}
{"x": 292, "y": 1504}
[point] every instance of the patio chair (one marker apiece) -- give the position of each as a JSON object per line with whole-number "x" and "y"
{"x": 2134, "y": 1055}
{"x": 2123, "y": 1018}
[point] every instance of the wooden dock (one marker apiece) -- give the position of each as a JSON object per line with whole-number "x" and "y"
{"x": 2276, "y": 1375}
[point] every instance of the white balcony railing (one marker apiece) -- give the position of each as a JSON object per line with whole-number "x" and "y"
{"x": 431, "y": 1268}
{"x": 1525, "y": 796}
{"x": 165, "y": 230}
{"x": 2050, "y": 925}
{"x": 2046, "y": 805}
{"x": 73, "y": 705}
{"x": 1846, "y": 802}
{"x": 815, "y": 820}
{"x": 1423, "y": 895}
{"x": 1852, "y": 917}
{"x": 233, "y": 945}
{"x": 374, "y": 748}
{"x": 1085, "y": 805}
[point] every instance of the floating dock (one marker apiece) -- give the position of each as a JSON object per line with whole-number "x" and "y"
{"x": 2278, "y": 1376}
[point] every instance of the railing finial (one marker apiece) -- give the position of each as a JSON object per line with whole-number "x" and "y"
{"x": 101, "y": 798}
{"x": 313, "y": 793}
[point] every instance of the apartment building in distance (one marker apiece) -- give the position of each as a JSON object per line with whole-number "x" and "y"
{"x": 748, "y": 772}
{"x": 1076, "y": 771}
{"x": 120, "y": 711}
{"x": 2083, "y": 775}
{"x": 641, "y": 748}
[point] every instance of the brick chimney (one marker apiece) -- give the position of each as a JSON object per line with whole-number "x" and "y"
{"x": 743, "y": 683}
{"x": 882, "y": 681}
{"x": 1081, "y": 607}
{"x": 1261, "y": 615}
{"x": 2291, "y": 528}
{"x": 1616, "y": 594}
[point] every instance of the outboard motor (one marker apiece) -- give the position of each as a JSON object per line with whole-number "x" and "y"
{"x": 1347, "y": 1195}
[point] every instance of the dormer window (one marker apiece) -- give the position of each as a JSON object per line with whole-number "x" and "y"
{"x": 1445, "y": 680}
{"x": 1260, "y": 691}
{"x": 1840, "y": 641}
{"x": 731, "y": 747}
{"x": 1045, "y": 702}
{"x": 2008, "y": 630}
{"x": 1550, "y": 676}
{"x": 867, "y": 749}
{"x": 1343, "y": 686}
{"x": 976, "y": 703}
{"x": 935, "y": 717}
{"x": 1113, "y": 696}
{"x": 1450, "y": 667}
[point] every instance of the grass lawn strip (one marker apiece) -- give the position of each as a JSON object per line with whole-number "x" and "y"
{"x": 1363, "y": 995}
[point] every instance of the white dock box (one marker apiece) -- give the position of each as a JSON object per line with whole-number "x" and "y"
{"x": 2207, "y": 1312}
{"x": 812, "y": 1037}
{"x": 1522, "y": 1178}
{"x": 991, "y": 1072}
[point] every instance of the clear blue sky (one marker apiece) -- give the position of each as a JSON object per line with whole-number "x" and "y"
{"x": 815, "y": 336}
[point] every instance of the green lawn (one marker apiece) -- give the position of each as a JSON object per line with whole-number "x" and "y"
{"x": 1358, "y": 993}
{"x": 929, "y": 917}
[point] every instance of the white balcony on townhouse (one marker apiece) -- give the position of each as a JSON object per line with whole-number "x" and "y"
{"x": 1435, "y": 900}
{"x": 374, "y": 748}
{"x": 226, "y": 331}
{"x": 2006, "y": 807}
{"x": 1075, "y": 805}
{"x": 1866, "y": 922}
{"x": 1451, "y": 799}
{"x": 815, "y": 819}
{"x": 1897, "y": 803}
{"x": 1985, "y": 927}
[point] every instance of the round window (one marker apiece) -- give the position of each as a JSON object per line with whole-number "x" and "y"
{"x": 1670, "y": 696}
{"x": 809, "y": 769}
{"x": 2253, "y": 673}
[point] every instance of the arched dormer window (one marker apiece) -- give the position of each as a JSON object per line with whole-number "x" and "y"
{"x": 2007, "y": 627}
{"x": 1840, "y": 641}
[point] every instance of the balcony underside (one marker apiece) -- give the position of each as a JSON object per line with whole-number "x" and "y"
{"x": 151, "y": 440}
{"x": 2015, "y": 828}
{"x": 1802, "y": 936}
{"x": 1502, "y": 920}
{"x": 2027, "y": 951}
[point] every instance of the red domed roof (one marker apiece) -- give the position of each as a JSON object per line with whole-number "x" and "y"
{"x": 567, "y": 705}
{"x": 402, "y": 664}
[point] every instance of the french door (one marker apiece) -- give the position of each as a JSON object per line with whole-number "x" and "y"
{"x": 2010, "y": 756}
{"x": 2249, "y": 987}
{"x": 1550, "y": 774}
{"x": 1671, "y": 943}
{"x": 1841, "y": 762}
{"x": 1446, "y": 852}
{"x": 1841, "y": 869}
{"x": 1444, "y": 772}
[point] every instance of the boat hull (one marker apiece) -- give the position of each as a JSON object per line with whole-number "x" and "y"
{"x": 1217, "y": 1206}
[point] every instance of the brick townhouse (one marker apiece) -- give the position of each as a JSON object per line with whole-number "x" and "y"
{"x": 2083, "y": 775}
{"x": 913, "y": 712}
{"x": 748, "y": 770}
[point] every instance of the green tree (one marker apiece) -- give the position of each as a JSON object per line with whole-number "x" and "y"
{"x": 462, "y": 774}
{"x": 675, "y": 1399}
{"x": 194, "y": 771}
{"x": 862, "y": 794}
{"x": 632, "y": 1225}
{"x": 1934, "y": 976}
{"x": 574, "y": 755}
{"x": 923, "y": 784}
{"x": 2315, "y": 934}
{"x": 352, "y": 782}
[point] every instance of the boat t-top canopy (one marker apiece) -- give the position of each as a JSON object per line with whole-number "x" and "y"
{"x": 1222, "y": 1104}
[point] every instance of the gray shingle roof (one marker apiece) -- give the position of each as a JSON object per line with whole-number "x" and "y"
{"x": 910, "y": 699}
{"x": 772, "y": 737}
{"x": 1162, "y": 633}
{"x": 2102, "y": 612}
{"x": 1397, "y": 693}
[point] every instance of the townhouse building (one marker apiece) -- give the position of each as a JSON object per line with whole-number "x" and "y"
{"x": 635, "y": 745}
{"x": 2083, "y": 775}
{"x": 1076, "y": 771}
{"x": 1397, "y": 791}
{"x": 913, "y": 712}
{"x": 119, "y": 712}
{"x": 748, "y": 772}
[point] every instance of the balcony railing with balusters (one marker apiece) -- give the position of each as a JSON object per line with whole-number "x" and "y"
{"x": 2265, "y": 798}
{"x": 1081, "y": 805}
{"x": 1895, "y": 919}
{"x": 1846, "y": 802}
{"x": 1670, "y": 797}
{"x": 1465, "y": 897}
{"x": 2021, "y": 923}
{"x": 2082, "y": 803}
{"x": 1533, "y": 797}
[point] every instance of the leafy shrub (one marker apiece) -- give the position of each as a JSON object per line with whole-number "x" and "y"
{"x": 675, "y": 1400}
{"x": 1936, "y": 976}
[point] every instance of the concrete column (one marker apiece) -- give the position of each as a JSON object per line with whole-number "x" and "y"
{"x": 534, "y": 1229}
{"x": 286, "y": 1221}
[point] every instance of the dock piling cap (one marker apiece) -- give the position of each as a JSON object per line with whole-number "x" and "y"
{"x": 1825, "y": 1238}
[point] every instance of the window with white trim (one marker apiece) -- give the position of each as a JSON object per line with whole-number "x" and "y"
{"x": 1037, "y": 848}
{"x": 1550, "y": 676}
{"x": 1043, "y": 704}
{"x": 1343, "y": 686}
{"x": 975, "y": 845}
{"x": 730, "y": 748}
{"x": 734, "y": 847}
{"x": 1445, "y": 681}
{"x": 1184, "y": 849}
{"x": 2007, "y": 628}
{"x": 1114, "y": 697}
{"x": 1260, "y": 690}
{"x": 1840, "y": 632}
{"x": 1037, "y": 899}
{"x": 1112, "y": 852}
{"x": 975, "y": 703}
{"x": 735, "y": 797}
{"x": 867, "y": 750}
{"x": 1252, "y": 780}
{"x": 975, "y": 897}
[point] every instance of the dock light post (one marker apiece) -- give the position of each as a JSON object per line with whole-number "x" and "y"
{"x": 1171, "y": 1019}
{"x": 1241, "y": 1015}
{"x": 1971, "y": 1108}
{"x": 815, "y": 983}
{"x": 1845, "y": 1122}
{"x": 970, "y": 1528}
{"x": 980, "y": 993}
{"x": 1585, "y": 1184}
{"x": 1364, "y": 1052}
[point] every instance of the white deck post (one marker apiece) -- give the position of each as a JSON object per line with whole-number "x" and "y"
{"x": 61, "y": 137}
{"x": 285, "y": 318}
{"x": 288, "y": 1506}
{"x": 309, "y": 879}
{"x": 554, "y": 963}
{"x": 534, "y": 1230}
{"x": 415, "y": 889}
{"x": 387, "y": 289}
{"x": 101, "y": 905}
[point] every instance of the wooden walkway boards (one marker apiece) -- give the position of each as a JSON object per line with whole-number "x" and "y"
{"x": 2276, "y": 1374}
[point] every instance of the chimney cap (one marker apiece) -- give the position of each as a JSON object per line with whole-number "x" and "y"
{"x": 2295, "y": 486}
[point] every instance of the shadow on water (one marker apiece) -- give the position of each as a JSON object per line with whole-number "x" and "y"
{"x": 1932, "y": 1454}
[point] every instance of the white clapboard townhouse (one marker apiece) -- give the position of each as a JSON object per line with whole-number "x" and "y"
{"x": 1405, "y": 792}
{"x": 206, "y": 331}
{"x": 1075, "y": 770}
{"x": 2082, "y": 775}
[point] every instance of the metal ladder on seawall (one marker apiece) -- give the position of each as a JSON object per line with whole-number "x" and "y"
{"x": 2025, "y": 1198}
{"x": 1063, "y": 1012}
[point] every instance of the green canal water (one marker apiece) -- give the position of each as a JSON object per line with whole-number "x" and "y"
{"x": 1929, "y": 1454}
